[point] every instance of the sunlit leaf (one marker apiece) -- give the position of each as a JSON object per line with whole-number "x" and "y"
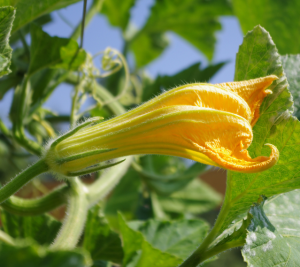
{"x": 258, "y": 57}
{"x": 279, "y": 18}
{"x": 29, "y": 10}
{"x": 100, "y": 240}
{"x": 160, "y": 243}
{"x": 273, "y": 237}
{"x": 47, "y": 51}
{"x": 194, "y": 20}
{"x": 291, "y": 67}
{"x": 40, "y": 228}
{"x": 118, "y": 12}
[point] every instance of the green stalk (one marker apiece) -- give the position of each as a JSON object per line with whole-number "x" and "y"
{"x": 102, "y": 93}
{"x": 76, "y": 215}
{"x": 4, "y": 129}
{"x": 218, "y": 249}
{"x": 5, "y": 238}
{"x": 200, "y": 254}
{"x": 18, "y": 111}
{"x": 73, "y": 117}
{"x": 21, "y": 179}
{"x": 37, "y": 206}
{"x": 94, "y": 9}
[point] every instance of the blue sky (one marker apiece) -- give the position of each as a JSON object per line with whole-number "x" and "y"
{"x": 179, "y": 55}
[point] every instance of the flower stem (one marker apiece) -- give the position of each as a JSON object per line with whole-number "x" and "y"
{"x": 202, "y": 252}
{"x": 31, "y": 207}
{"x": 76, "y": 214}
{"x": 21, "y": 179}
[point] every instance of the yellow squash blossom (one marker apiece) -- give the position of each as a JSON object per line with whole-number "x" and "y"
{"x": 208, "y": 123}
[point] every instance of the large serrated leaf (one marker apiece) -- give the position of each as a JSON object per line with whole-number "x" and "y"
{"x": 273, "y": 237}
{"x": 125, "y": 196}
{"x": 7, "y": 15}
{"x": 160, "y": 243}
{"x": 280, "y": 18}
{"x": 197, "y": 197}
{"x": 47, "y": 51}
{"x": 291, "y": 67}
{"x": 118, "y": 12}
{"x": 100, "y": 240}
{"x": 184, "y": 18}
{"x": 258, "y": 57}
{"x": 167, "y": 174}
{"x": 27, "y": 253}
{"x": 42, "y": 228}
{"x": 29, "y": 10}
{"x": 189, "y": 75}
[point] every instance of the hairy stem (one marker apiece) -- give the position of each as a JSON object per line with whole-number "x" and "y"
{"x": 21, "y": 179}
{"x": 76, "y": 214}
{"x": 37, "y": 206}
{"x": 102, "y": 93}
{"x": 73, "y": 117}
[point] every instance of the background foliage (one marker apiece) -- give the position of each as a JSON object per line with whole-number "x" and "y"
{"x": 160, "y": 211}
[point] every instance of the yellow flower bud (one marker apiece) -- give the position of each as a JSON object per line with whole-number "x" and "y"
{"x": 208, "y": 123}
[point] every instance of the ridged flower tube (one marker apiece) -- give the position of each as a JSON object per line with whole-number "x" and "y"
{"x": 207, "y": 123}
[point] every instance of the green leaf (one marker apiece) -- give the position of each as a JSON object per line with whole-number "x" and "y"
{"x": 28, "y": 254}
{"x": 258, "y": 57}
{"x": 44, "y": 82}
{"x": 273, "y": 236}
{"x": 125, "y": 196}
{"x": 197, "y": 197}
{"x": 184, "y": 18}
{"x": 41, "y": 21}
{"x": 282, "y": 211}
{"x": 42, "y": 228}
{"x": 7, "y": 82}
{"x": 72, "y": 57}
{"x": 29, "y": 10}
{"x": 100, "y": 240}
{"x": 160, "y": 243}
{"x": 167, "y": 174}
{"x": 118, "y": 12}
{"x": 148, "y": 46}
{"x": 291, "y": 67}
{"x": 280, "y": 18}
{"x": 47, "y": 51}
{"x": 7, "y": 15}
{"x": 191, "y": 74}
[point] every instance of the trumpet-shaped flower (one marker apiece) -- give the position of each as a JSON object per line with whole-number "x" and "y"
{"x": 208, "y": 123}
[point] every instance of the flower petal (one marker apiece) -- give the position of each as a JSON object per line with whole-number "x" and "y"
{"x": 202, "y": 134}
{"x": 252, "y": 91}
{"x": 194, "y": 95}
